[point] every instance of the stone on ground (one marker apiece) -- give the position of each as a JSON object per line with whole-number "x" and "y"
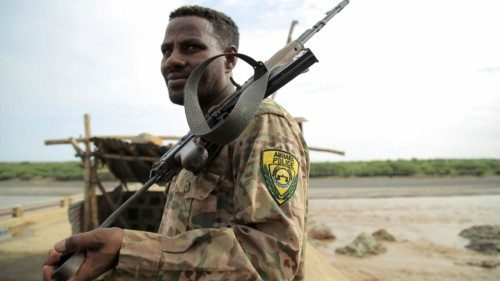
{"x": 362, "y": 246}
{"x": 320, "y": 231}
{"x": 383, "y": 235}
{"x": 483, "y": 238}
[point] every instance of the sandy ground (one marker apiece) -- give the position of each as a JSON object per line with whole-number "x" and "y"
{"x": 426, "y": 228}
{"x": 22, "y": 257}
{"x": 425, "y": 216}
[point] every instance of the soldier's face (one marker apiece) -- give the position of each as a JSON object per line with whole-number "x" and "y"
{"x": 188, "y": 42}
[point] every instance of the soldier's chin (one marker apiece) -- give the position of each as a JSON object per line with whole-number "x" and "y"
{"x": 176, "y": 97}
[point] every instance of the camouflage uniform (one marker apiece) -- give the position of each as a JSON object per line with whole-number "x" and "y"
{"x": 227, "y": 223}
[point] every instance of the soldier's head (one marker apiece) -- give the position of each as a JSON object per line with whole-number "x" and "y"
{"x": 193, "y": 35}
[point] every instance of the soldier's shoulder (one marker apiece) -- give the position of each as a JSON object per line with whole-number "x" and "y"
{"x": 268, "y": 106}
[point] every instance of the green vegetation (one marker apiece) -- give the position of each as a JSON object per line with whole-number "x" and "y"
{"x": 66, "y": 171}
{"x": 408, "y": 168}
{"x": 59, "y": 171}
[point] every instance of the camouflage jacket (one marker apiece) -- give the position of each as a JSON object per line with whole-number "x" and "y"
{"x": 244, "y": 218}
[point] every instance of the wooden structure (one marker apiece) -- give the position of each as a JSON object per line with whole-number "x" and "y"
{"x": 129, "y": 159}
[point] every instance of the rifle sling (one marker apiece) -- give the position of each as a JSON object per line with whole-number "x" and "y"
{"x": 240, "y": 116}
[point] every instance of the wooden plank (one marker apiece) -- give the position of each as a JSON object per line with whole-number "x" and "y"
{"x": 78, "y": 150}
{"x": 339, "y": 152}
{"x": 126, "y": 158}
{"x": 120, "y": 137}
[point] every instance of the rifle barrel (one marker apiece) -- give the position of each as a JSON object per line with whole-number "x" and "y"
{"x": 304, "y": 37}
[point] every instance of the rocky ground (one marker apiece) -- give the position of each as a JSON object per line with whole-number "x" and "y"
{"x": 427, "y": 245}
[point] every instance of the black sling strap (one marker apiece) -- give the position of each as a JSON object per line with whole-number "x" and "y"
{"x": 233, "y": 125}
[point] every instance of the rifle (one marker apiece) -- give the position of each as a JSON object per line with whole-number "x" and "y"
{"x": 206, "y": 137}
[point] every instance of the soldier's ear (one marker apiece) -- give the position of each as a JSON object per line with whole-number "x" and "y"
{"x": 230, "y": 60}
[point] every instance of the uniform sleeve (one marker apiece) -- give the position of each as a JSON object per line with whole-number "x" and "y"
{"x": 265, "y": 237}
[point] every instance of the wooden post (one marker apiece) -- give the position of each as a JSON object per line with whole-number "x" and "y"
{"x": 86, "y": 188}
{"x": 89, "y": 204}
{"x": 65, "y": 202}
{"x": 17, "y": 211}
{"x": 93, "y": 194}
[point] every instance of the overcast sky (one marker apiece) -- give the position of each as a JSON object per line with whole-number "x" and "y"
{"x": 396, "y": 79}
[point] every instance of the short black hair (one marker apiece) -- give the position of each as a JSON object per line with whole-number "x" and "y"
{"x": 223, "y": 25}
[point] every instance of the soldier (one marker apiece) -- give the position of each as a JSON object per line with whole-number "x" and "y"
{"x": 244, "y": 216}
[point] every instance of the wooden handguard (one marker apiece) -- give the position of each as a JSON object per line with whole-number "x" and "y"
{"x": 284, "y": 55}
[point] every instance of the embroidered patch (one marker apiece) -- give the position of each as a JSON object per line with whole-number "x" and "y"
{"x": 281, "y": 173}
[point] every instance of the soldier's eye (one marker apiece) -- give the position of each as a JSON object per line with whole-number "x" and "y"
{"x": 166, "y": 51}
{"x": 193, "y": 47}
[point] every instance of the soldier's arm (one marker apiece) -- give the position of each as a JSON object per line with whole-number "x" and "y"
{"x": 265, "y": 237}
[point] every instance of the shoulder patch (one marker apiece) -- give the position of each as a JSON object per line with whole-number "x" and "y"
{"x": 281, "y": 173}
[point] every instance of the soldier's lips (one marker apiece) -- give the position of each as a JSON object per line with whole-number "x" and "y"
{"x": 176, "y": 83}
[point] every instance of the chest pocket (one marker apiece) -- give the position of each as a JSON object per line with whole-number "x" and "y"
{"x": 202, "y": 195}
{"x": 191, "y": 203}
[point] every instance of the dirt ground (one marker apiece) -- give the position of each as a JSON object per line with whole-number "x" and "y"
{"x": 22, "y": 257}
{"x": 428, "y": 246}
{"x": 425, "y": 217}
